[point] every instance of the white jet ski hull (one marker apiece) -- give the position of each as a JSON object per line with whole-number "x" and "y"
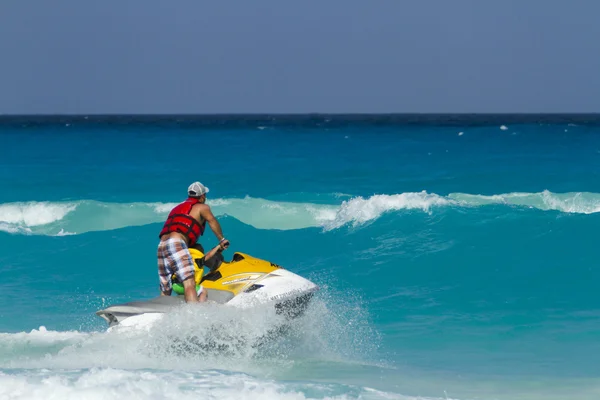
{"x": 287, "y": 292}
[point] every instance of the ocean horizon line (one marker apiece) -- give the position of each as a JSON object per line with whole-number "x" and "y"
{"x": 245, "y": 120}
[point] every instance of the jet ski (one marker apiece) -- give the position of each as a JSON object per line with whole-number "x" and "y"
{"x": 243, "y": 282}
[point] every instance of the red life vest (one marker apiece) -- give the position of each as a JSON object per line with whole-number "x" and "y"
{"x": 179, "y": 220}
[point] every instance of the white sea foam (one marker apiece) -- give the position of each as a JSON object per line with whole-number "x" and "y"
{"x": 39, "y": 336}
{"x": 43, "y": 364}
{"x": 4, "y": 227}
{"x": 209, "y": 352}
{"x": 62, "y": 232}
{"x": 257, "y": 340}
{"x": 108, "y": 383}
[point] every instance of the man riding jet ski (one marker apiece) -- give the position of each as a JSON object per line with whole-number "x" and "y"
{"x": 181, "y": 231}
{"x": 243, "y": 282}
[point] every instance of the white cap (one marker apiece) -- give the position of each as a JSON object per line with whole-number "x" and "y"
{"x": 197, "y": 189}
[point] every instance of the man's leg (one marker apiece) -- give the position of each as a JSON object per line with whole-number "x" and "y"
{"x": 163, "y": 274}
{"x": 189, "y": 287}
{"x": 202, "y": 297}
{"x": 184, "y": 269}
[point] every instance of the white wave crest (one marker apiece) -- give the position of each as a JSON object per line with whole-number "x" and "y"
{"x": 577, "y": 203}
{"x": 34, "y": 213}
{"x": 360, "y": 210}
{"x": 163, "y": 208}
{"x": 69, "y": 218}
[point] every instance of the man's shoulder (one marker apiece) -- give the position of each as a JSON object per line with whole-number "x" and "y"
{"x": 201, "y": 208}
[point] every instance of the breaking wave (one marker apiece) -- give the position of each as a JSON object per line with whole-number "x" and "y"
{"x": 76, "y": 217}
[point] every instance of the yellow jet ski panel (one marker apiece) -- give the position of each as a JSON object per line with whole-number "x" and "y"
{"x": 234, "y": 276}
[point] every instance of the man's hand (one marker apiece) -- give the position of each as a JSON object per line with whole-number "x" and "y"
{"x": 224, "y": 243}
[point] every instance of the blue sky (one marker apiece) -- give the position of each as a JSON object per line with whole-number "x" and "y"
{"x": 191, "y": 56}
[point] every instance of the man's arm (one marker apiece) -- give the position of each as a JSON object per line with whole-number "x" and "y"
{"x": 213, "y": 251}
{"x": 207, "y": 214}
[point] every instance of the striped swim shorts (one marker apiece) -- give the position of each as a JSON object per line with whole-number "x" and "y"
{"x": 173, "y": 258}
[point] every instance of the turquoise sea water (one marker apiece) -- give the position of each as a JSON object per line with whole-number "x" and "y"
{"x": 456, "y": 255}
